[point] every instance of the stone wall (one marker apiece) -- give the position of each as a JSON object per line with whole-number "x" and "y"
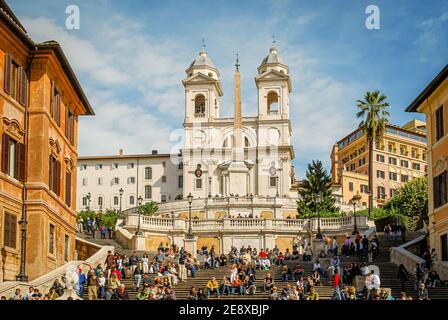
{"x": 152, "y": 242}
{"x": 209, "y": 242}
{"x": 85, "y": 249}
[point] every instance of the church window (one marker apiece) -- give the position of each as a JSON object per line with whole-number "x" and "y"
{"x": 148, "y": 173}
{"x": 272, "y": 102}
{"x": 199, "y": 106}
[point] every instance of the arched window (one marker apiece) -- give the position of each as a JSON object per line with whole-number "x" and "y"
{"x": 246, "y": 142}
{"x": 163, "y": 198}
{"x": 272, "y": 102}
{"x": 115, "y": 201}
{"x": 199, "y": 106}
{"x": 100, "y": 201}
{"x": 131, "y": 200}
{"x": 148, "y": 173}
{"x": 148, "y": 192}
{"x": 228, "y": 142}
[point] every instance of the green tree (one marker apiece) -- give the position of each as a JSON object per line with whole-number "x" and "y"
{"x": 317, "y": 182}
{"x": 149, "y": 209}
{"x": 374, "y": 115}
{"x": 411, "y": 201}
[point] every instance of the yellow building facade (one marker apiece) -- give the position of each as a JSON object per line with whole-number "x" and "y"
{"x": 433, "y": 102}
{"x": 399, "y": 157}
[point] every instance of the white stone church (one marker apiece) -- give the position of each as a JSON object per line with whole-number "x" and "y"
{"x": 237, "y": 157}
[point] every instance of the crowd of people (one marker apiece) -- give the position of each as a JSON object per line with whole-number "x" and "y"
{"x": 95, "y": 227}
{"x": 155, "y": 278}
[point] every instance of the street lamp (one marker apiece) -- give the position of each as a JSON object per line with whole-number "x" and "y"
{"x": 251, "y": 196}
{"x": 318, "y": 202}
{"x": 209, "y": 187}
{"x": 139, "y": 202}
{"x": 356, "y": 198}
{"x": 190, "y": 200}
{"x": 121, "y": 195}
{"x": 89, "y": 195}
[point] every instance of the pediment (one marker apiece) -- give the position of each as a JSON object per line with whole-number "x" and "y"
{"x": 199, "y": 77}
{"x": 13, "y": 127}
{"x": 272, "y": 74}
{"x": 55, "y": 147}
{"x": 441, "y": 165}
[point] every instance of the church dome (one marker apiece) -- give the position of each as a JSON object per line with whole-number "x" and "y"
{"x": 273, "y": 57}
{"x": 203, "y": 60}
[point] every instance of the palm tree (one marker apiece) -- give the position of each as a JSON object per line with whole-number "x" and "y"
{"x": 372, "y": 111}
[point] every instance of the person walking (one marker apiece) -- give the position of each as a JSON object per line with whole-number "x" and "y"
{"x": 387, "y": 230}
{"x": 395, "y": 231}
{"x": 336, "y": 286}
{"x": 182, "y": 268}
{"x": 92, "y": 285}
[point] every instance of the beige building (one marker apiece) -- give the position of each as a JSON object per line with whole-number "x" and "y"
{"x": 433, "y": 101}
{"x": 400, "y": 157}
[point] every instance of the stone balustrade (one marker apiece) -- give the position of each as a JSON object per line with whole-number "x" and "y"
{"x": 158, "y": 224}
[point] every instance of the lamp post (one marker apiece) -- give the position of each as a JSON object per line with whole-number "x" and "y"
{"x": 121, "y": 195}
{"x": 139, "y": 202}
{"x": 356, "y": 198}
{"x": 190, "y": 200}
{"x": 251, "y": 196}
{"x": 318, "y": 202}
{"x": 89, "y": 196}
{"x": 209, "y": 187}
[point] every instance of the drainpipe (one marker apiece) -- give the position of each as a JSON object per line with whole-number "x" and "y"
{"x": 23, "y": 221}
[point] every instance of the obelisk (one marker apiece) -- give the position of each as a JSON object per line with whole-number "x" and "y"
{"x": 237, "y": 120}
{"x": 238, "y": 170}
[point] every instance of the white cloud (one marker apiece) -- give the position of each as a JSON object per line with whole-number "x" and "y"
{"x": 134, "y": 83}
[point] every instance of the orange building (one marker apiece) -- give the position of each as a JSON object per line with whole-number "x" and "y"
{"x": 433, "y": 101}
{"x": 399, "y": 157}
{"x": 40, "y": 101}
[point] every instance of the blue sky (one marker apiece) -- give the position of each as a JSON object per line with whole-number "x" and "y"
{"x": 130, "y": 57}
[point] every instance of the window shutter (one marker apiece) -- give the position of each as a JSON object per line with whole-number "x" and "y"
{"x": 52, "y": 100}
{"x": 58, "y": 109}
{"x": 50, "y": 173}
{"x": 72, "y": 129}
{"x": 24, "y": 88}
{"x": 68, "y": 188}
{"x": 7, "y": 79}
{"x": 58, "y": 178}
{"x": 67, "y": 122}
{"x": 21, "y": 162}
{"x": 5, "y": 153}
{"x": 7, "y": 230}
{"x": 16, "y": 161}
{"x": 13, "y": 231}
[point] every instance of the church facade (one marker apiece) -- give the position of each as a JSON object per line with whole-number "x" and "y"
{"x": 221, "y": 157}
{"x": 239, "y": 155}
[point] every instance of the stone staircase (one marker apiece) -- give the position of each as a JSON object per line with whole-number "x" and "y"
{"x": 388, "y": 276}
